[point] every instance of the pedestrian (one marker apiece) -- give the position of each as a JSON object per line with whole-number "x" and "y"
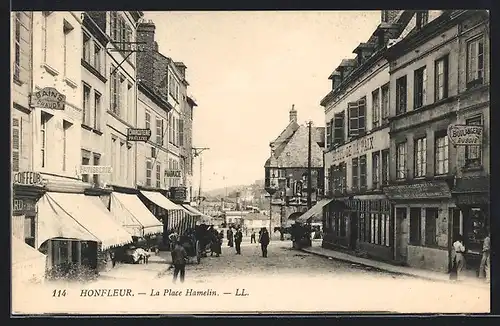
{"x": 484, "y": 267}
{"x": 179, "y": 258}
{"x": 238, "y": 237}
{"x": 230, "y": 237}
{"x": 459, "y": 259}
{"x": 264, "y": 241}
{"x": 252, "y": 237}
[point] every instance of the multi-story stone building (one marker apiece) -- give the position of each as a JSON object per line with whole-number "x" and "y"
{"x": 439, "y": 76}
{"x": 286, "y": 170}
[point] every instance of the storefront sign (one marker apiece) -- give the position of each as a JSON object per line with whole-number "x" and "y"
{"x": 95, "y": 169}
{"x": 462, "y": 135}
{"x": 138, "y": 134}
{"x": 424, "y": 190}
{"x": 23, "y": 206}
{"x": 27, "y": 178}
{"x": 178, "y": 194}
{"x": 48, "y": 98}
{"x": 173, "y": 173}
{"x": 375, "y": 141}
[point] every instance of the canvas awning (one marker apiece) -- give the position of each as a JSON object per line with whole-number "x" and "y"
{"x": 161, "y": 200}
{"x": 27, "y": 262}
{"x": 131, "y": 213}
{"x": 90, "y": 213}
{"x": 315, "y": 214}
{"x": 193, "y": 210}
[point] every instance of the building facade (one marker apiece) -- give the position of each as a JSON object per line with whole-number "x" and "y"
{"x": 430, "y": 81}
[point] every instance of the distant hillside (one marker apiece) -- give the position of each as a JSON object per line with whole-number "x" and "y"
{"x": 255, "y": 190}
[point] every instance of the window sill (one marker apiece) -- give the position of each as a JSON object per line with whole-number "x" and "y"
{"x": 87, "y": 127}
{"x": 50, "y": 70}
{"x": 97, "y": 131}
{"x": 70, "y": 83}
{"x": 93, "y": 70}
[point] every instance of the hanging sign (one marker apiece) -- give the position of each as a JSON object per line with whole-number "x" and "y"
{"x": 463, "y": 135}
{"x": 178, "y": 194}
{"x": 95, "y": 169}
{"x": 48, "y": 98}
{"x": 27, "y": 178}
{"x": 138, "y": 134}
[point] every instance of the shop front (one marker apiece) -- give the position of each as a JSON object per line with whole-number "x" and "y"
{"x": 423, "y": 212}
{"x": 335, "y": 224}
{"x": 471, "y": 196}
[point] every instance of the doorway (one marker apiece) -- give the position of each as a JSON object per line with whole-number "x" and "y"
{"x": 402, "y": 234}
{"x": 353, "y": 232}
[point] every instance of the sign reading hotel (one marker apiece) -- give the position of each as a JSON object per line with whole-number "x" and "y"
{"x": 48, "y": 98}
{"x": 173, "y": 173}
{"x": 462, "y": 135}
{"x": 27, "y": 178}
{"x": 361, "y": 146}
{"x": 95, "y": 169}
{"x": 138, "y": 134}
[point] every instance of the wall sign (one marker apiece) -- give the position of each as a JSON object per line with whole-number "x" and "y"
{"x": 23, "y": 206}
{"x": 95, "y": 169}
{"x": 178, "y": 194}
{"x": 369, "y": 143}
{"x": 48, "y": 98}
{"x": 138, "y": 134}
{"x": 173, "y": 173}
{"x": 27, "y": 178}
{"x": 462, "y": 135}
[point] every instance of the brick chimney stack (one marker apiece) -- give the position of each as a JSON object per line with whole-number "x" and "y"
{"x": 145, "y": 60}
{"x": 293, "y": 114}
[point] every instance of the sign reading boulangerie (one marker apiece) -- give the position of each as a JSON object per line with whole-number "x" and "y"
{"x": 461, "y": 135}
{"x": 48, "y": 98}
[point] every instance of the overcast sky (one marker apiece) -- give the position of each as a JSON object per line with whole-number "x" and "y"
{"x": 246, "y": 69}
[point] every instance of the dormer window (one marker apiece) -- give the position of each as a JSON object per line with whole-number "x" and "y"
{"x": 422, "y": 18}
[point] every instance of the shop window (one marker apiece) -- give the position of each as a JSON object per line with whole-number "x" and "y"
{"x": 401, "y": 161}
{"x": 343, "y": 226}
{"x": 441, "y": 78}
{"x": 415, "y": 225}
{"x": 442, "y": 153}
{"x": 362, "y": 227}
{"x": 473, "y": 154}
{"x": 431, "y": 215}
{"x": 475, "y": 62}
{"x": 476, "y": 229}
{"x": 420, "y": 160}
{"x": 401, "y": 95}
{"x": 367, "y": 227}
{"x": 420, "y": 87}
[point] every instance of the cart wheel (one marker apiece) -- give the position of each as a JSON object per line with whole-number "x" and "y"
{"x": 198, "y": 252}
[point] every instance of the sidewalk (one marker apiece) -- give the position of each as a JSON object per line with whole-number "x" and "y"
{"x": 401, "y": 270}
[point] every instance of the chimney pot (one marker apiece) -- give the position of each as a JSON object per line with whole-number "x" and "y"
{"x": 293, "y": 114}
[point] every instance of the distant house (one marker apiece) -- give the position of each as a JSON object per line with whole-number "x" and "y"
{"x": 255, "y": 221}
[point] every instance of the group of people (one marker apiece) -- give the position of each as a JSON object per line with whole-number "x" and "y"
{"x": 458, "y": 260}
{"x": 235, "y": 239}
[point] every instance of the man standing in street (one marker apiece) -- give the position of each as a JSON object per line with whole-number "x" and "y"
{"x": 230, "y": 237}
{"x": 238, "y": 237}
{"x": 264, "y": 241}
{"x": 484, "y": 268}
{"x": 179, "y": 257}
{"x": 252, "y": 237}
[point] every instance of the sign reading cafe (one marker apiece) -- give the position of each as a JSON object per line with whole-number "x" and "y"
{"x": 462, "y": 135}
{"x": 48, "y": 98}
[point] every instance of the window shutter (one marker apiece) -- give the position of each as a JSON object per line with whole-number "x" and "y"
{"x": 328, "y": 134}
{"x": 16, "y": 143}
{"x": 361, "y": 116}
{"x": 352, "y": 109}
{"x": 181, "y": 132}
{"x": 338, "y": 131}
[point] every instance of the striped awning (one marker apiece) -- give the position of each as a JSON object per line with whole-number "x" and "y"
{"x": 315, "y": 214}
{"x": 161, "y": 200}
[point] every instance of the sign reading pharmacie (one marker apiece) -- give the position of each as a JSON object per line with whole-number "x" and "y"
{"x": 95, "y": 169}
{"x": 48, "y": 98}
{"x": 463, "y": 135}
{"x": 138, "y": 134}
{"x": 173, "y": 173}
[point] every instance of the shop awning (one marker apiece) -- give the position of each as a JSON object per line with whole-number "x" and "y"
{"x": 193, "y": 210}
{"x": 131, "y": 213}
{"x": 437, "y": 189}
{"x": 161, "y": 200}
{"x": 315, "y": 214}
{"x": 90, "y": 212}
{"x": 27, "y": 262}
{"x": 55, "y": 222}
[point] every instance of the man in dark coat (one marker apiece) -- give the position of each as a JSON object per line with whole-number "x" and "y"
{"x": 179, "y": 257}
{"x": 264, "y": 241}
{"x": 238, "y": 237}
{"x": 230, "y": 237}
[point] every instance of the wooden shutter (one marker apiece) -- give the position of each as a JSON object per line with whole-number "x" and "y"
{"x": 181, "y": 132}
{"x": 328, "y": 134}
{"x": 338, "y": 129}
{"x": 16, "y": 143}
{"x": 355, "y": 174}
{"x": 352, "y": 109}
{"x": 361, "y": 116}
{"x": 362, "y": 172}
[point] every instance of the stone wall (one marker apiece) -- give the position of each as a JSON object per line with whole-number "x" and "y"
{"x": 428, "y": 258}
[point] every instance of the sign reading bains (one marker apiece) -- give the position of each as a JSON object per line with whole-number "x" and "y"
{"x": 138, "y": 134}
{"x": 48, "y": 98}
{"x": 463, "y": 135}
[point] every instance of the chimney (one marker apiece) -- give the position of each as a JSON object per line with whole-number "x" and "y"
{"x": 145, "y": 60}
{"x": 293, "y": 114}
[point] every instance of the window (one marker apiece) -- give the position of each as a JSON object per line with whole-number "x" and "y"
{"x": 29, "y": 230}
{"x": 376, "y": 108}
{"x": 328, "y": 135}
{"x": 16, "y": 143}
{"x": 420, "y": 157}
{"x": 338, "y": 128}
{"x": 420, "y": 84}
{"x": 149, "y": 168}
{"x": 376, "y": 169}
{"x": 422, "y": 18}
{"x": 115, "y": 91}
{"x": 97, "y": 159}
{"x": 97, "y": 110}
{"x": 113, "y": 158}
{"x": 43, "y": 139}
{"x": 123, "y": 170}
{"x": 121, "y": 33}
{"x": 431, "y": 215}
{"x": 355, "y": 174}
{"x": 98, "y": 57}
{"x": 362, "y": 172}
{"x": 473, "y": 154}
{"x": 159, "y": 131}
{"x": 87, "y": 51}
{"x": 475, "y": 62}
{"x": 441, "y": 78}
{"x": 173, "y": 87}
{"x": 385, "y": 103}
{"x": 67, "y": 28}
{"x": 401, "y": 160}
{"x": 158, "y": 175}
{"x": 85, "y": 161}
{"x": 170, "y": 129}
{"x": 130, "y": 160}
{"x": 147, "y": 120}
{"x": 174, "y": 131}
{"x": 385, "y": 167}
{"x": 66, "y": 126}
{"x": 22, "y": 58}
{"x": 181, "y": 132}
{"x": 401, "y": 95}
{"x": 17, "y": 41}
{"x": 357, "y": 112}
{"x": 342, "y": 177}
{"x": 130, "y": 102}
{"x": 86, "y": 105}
{"x": 415, "y": 225}
{"x": 442, "y": 152}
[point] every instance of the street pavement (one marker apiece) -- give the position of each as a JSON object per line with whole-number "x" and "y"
{"x": 286, "y": 281}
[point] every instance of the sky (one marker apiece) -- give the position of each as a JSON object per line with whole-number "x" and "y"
{"x": 246, "y": 69}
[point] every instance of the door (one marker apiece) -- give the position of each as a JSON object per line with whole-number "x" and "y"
{"x": 402, "y": 234}
{"x": 353, "y": 232}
